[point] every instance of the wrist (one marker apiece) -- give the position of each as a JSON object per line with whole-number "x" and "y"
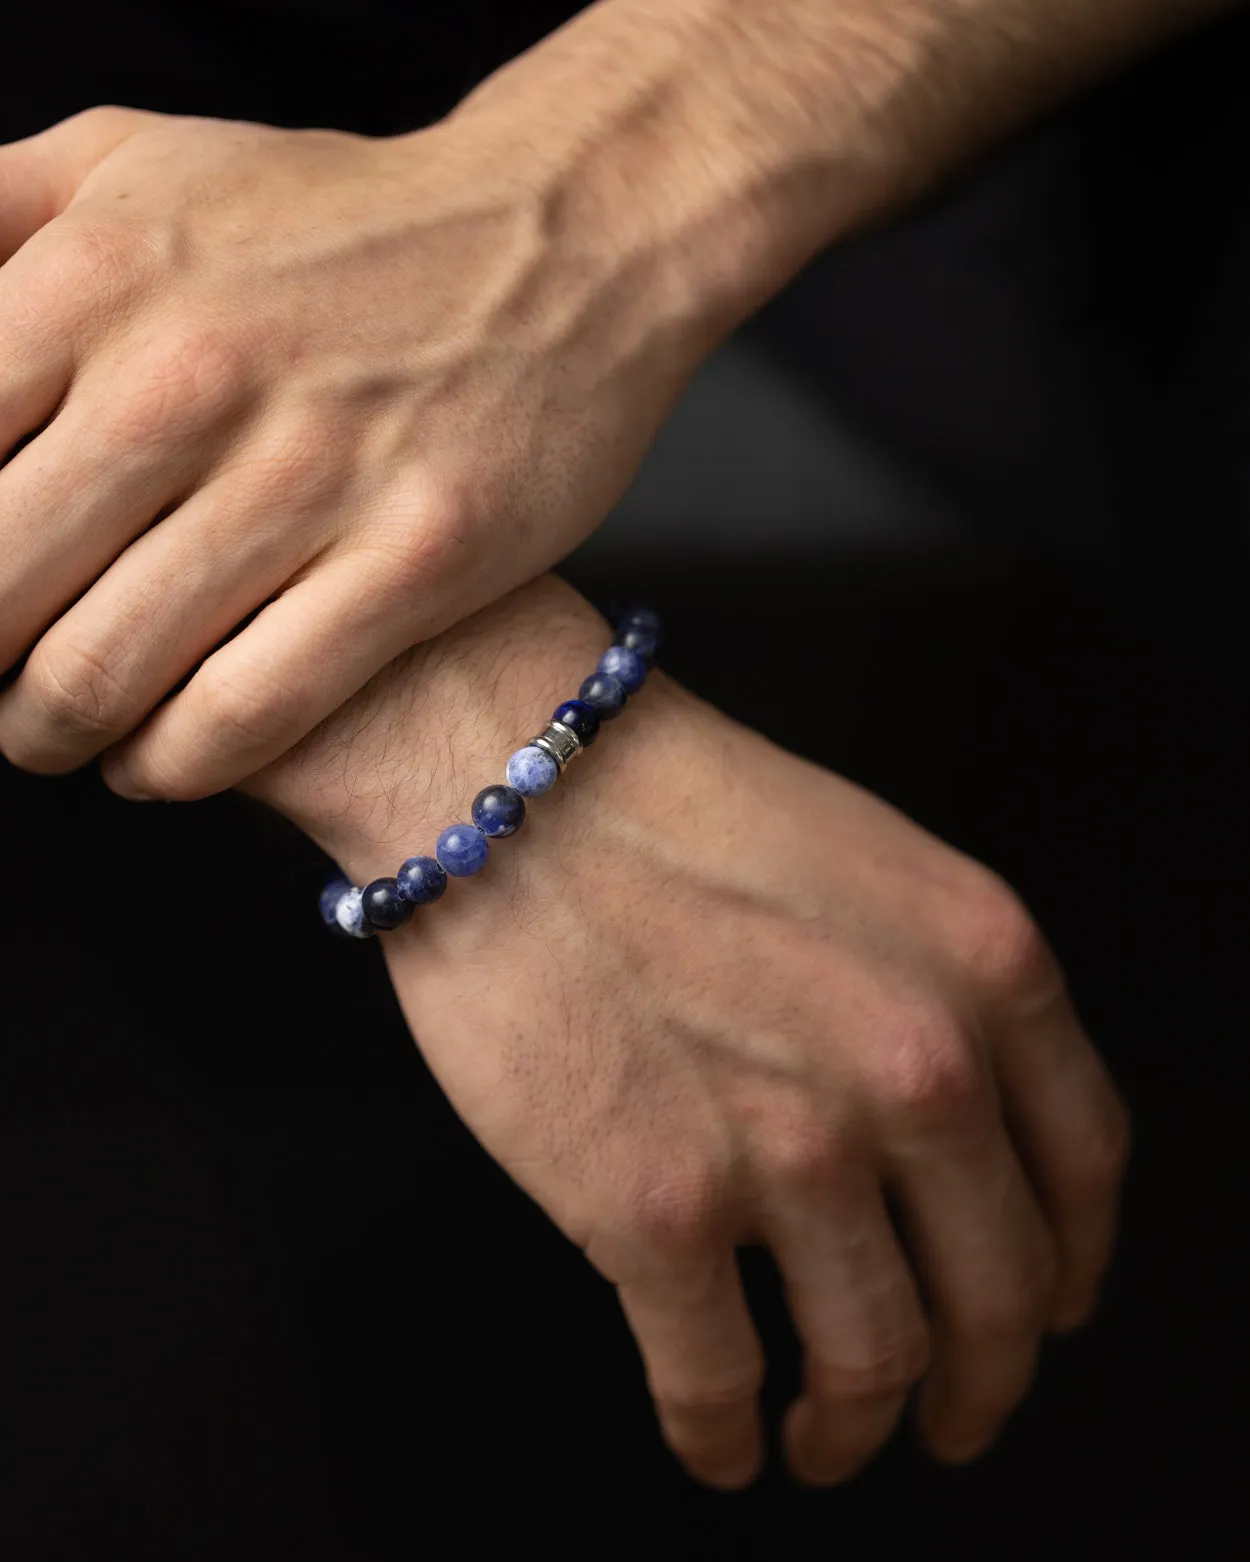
{"x": 651, "y": 162}
{"x": 406, "y": 758}
{"x": 713, "y": 147}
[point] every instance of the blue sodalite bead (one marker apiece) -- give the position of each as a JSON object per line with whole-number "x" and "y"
{"x": 498, "y": 811}
{"x": 628, "y": 666}
{"x": 330, "y": 897}
{"x": 384, "y": 905}
{"x": 532, "y": 772}
{"x": 645, "y": 641}
{"x": 581, "y": 718}
{"x": 421, "y": 880}
{"x": 462, "y": 849}
{"x": 351, "y": 915}
{"x": 639, "y": 616}
{"x": 606, "y": 693}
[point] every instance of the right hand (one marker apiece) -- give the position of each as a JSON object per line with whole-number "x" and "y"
{"x": 331, "y": 391}
{"x": 715, "y": 996}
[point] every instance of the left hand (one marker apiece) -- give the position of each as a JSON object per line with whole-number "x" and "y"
{"x": 341, "y": 391}
{"x": 716, "y": 997}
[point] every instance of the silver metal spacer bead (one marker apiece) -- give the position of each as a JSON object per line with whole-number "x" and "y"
{"x": 561, "y": 742}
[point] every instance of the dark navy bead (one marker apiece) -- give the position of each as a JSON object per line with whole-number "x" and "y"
{"x": 421, "y": 880}
{"x": 498, "y": 811}
{"x": 644, "y": 641}
{"x": 628, "y": 666}
{"x": 330, "y": 897}
{"x": 639, "y": 617}
{"x": 383, "y": 904}
{"x": 462, "y": 849}
{"x": 606, "y": 693}
{"x": 581, "y": 718}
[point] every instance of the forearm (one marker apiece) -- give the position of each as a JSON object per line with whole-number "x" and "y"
{"x": 731, "y": 140}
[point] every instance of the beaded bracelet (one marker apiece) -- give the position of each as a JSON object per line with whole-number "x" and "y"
{"x": 499, "y": 811}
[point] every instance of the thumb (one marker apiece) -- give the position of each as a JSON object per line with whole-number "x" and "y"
{"x": 40, "y": 175}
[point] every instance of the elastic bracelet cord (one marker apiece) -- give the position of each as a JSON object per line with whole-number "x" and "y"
{"x": 498, "y": 811}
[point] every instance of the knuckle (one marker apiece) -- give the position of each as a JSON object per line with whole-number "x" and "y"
{"x": 671, "y": 1211}
{"x": 302, "y": 459}
{"x": 929, "y": 1079}
{"x": 239, "y": 706}
{"x": 1019, "y": 1307}
{"x": 96, "y": 256}
{"x": 75, "y": 692}
{"x": 998, "y": 941}
{"x": 424, "y": 534}
{"x": 886, "y": 1367}
{"x": 797, "y": 1154}
{"x": 104, "y": 116}
{"x": 713, "y": 1395}
{"x": 188, "y": 375}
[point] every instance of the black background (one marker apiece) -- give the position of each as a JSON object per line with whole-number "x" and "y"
{"x": 260, "y": 1292}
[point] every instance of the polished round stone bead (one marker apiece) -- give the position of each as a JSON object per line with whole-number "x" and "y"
{"x": 580, "y": 718}
{"x": 498, "y": 811}
{"x": 462, "y": 849}
{"x": 351, "y": 915}
{"x": 532, "y": 771}
{"x": 628, "y": 666}
{"x": 639, "y": 617}
{"x": 330, "y": 897}
{"x": 384, "y": 906}
{"x": 421, "y": 880}
{"x": 606, "y": 693}
{"x": 645, "y": 641}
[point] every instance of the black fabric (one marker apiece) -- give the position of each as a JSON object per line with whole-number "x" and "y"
{"x": 260, "y": 1292}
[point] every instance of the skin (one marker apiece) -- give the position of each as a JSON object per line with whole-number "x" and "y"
{"x": 343, "y": 391}
{"x": 283, "y": 404}
{"x": 688, "y": 1040}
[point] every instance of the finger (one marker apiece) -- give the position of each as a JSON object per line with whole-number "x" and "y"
{"x": 40, "y": 174}
{"x": 858, "y": 1313}
{"x": 704, "y": 1365}
{"x": 77, "y": 495}
{"x": 987, "y": 1263}
{"x": 1071, "y": 1131}
{"x": 172, "y": 596}
{"x": 36, "y": 357}
{"x": 301, "y": 658}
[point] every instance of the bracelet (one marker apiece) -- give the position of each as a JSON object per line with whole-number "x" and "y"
{"x": 498, "y": 811}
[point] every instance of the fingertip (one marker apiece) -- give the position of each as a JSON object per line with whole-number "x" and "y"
{"x": 729, "y": 1463}
{"x": 124, "y": 786}
{"x": 804, "y": 1459}
{"x": 1070, "y": 1317}
{"x": 951, "y": 1444}
{"x": 733, "y": 1476}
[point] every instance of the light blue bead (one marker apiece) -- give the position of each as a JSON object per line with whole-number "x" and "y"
{"x": 462, "y": 849}
{"x": 350, "y": 915}
{"x": 532, "y": 772}
{"x": 628, "y": 666}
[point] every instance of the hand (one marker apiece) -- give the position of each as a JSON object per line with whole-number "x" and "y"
{"x": 714, "y": 996}
{"x": 354, "y": 387}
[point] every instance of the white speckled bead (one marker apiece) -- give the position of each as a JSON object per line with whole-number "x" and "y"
{"x": 532, "y": 772}
{"x": 350, "y": 915}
